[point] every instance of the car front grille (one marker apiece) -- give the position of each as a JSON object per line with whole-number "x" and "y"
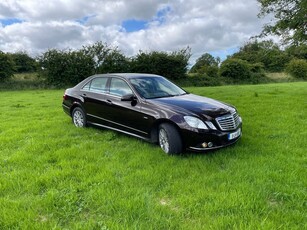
{"x": 228, "y": 122}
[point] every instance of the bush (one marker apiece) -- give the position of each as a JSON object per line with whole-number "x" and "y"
{"x": 256, "y": 68}
{"x": 266, "y": 52}
{"x": 204, "y": 63}
{"x": 276, "y": 62}
{"x": 211, "y": 71}
{"x": 7, "y": 66}
{"x": 297, "y": 68}
{"x": 171, "y": 65}
{"x": 297, "y": 51}
{"x": 114, "y": 62}
{"x": 23, "y": 62}
{"x": 258, "y": 78}
{"x": 65, "y": 68}
{"x": 107, "y": 59}
{"x": 235, "y": 69}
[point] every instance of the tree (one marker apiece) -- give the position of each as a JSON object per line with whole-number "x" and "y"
{"x": 23, "y": 62}
{"x": 64, "y": 68}
{"x": 290, "y": 19}
{"x": 98, "y": 52}
{"x": 206, "y": 60}
{"x": 171, "y": 65}
{"x": 107, "y": 59}
{"x": 235, "y": 69}
{"x": 297, "y": 68}
{"x": 7, "y": 66}
{"x": 298, "y": 52}
{"x": 266, "y": 53}
{"x": 114, "y": 62}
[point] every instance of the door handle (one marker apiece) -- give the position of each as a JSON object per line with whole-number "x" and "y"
{"x": 109, "y": 102}
{"x": 84, "y": 95}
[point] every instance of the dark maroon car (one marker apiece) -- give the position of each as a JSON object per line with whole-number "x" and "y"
{"x": 152, "y": 108}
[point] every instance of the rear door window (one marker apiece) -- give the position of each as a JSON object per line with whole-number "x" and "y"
{"x": 97, "y": 85}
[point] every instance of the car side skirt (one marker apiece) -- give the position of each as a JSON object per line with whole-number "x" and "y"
{"x": 119, "y": 130}
{"x": 112, "y": 122}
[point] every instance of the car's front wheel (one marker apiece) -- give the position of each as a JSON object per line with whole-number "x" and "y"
{"x": 78, "y": 117}
{"x": 169, "y": 139}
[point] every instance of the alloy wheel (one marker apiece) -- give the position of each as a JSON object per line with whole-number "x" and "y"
{"x": 78, "y": 119}
{"x": 163, "y": 140}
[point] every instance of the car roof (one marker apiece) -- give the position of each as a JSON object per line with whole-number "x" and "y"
{"x": 126, "y": 75}
{"x": 123, "y": 75}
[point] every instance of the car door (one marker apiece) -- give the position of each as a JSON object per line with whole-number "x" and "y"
{"x": 93, "y": 94}
{"x": 124, "y": 115}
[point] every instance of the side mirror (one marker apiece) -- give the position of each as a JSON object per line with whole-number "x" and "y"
{"x": 128, "y": 97}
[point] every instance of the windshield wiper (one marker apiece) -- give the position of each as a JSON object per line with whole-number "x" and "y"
{"x": 167, "y": 95}
{"x": 161, "y": 96}
{"x": 179, "y": 94}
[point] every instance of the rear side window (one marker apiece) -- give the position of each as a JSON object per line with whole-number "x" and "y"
{"x": 87, "y": 86}
{"x": 97, "y": 85}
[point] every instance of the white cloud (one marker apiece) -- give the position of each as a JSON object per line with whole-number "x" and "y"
{"x": 206, "y": 26}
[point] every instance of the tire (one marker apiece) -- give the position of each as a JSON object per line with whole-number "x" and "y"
{"x": 169, "y": 139}
{"x": 78, "y": 117}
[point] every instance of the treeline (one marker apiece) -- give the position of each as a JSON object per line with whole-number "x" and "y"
{"x": 68, "y": 67}
{"x": 11, "y": 63}
{"x": 252, "y": 61}
{"x": 248, "y": 65}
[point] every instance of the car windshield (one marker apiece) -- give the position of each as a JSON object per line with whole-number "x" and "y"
{"x": 155, "y": 87}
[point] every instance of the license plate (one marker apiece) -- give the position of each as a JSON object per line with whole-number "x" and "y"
{"x": 234, "y": 134}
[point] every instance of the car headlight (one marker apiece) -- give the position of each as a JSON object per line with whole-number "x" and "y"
{"x": 195, "y": 122}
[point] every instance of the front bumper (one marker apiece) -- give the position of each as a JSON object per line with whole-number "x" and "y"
{"x": 205, "y": 140}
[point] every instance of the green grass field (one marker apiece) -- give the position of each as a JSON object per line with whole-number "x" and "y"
{"x": 56, "y": 176}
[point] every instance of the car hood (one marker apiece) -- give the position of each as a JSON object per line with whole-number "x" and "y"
{"x": 201, "y": 106}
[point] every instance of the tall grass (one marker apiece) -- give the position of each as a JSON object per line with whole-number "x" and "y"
{"x": 56, "y": 176}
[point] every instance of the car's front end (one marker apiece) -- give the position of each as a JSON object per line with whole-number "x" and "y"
{"x": 204, "y": 123}
{"x": 212, "y": 134}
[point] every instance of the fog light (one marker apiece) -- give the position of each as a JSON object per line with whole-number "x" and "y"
{"x": 210, "y": 144}
{"x": 204, "y": 145}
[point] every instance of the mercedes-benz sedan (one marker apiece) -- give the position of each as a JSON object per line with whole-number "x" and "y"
{"x": 152, "y": 108}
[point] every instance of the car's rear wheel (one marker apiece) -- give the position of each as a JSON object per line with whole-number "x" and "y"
{"x": 169, "y": 139}
{"x": 78, "y": 117}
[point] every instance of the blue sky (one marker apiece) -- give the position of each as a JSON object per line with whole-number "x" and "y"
{"x": 10, "y": 21}
{"x": 133, "y": 25}
{"x": 216, "y": 27}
